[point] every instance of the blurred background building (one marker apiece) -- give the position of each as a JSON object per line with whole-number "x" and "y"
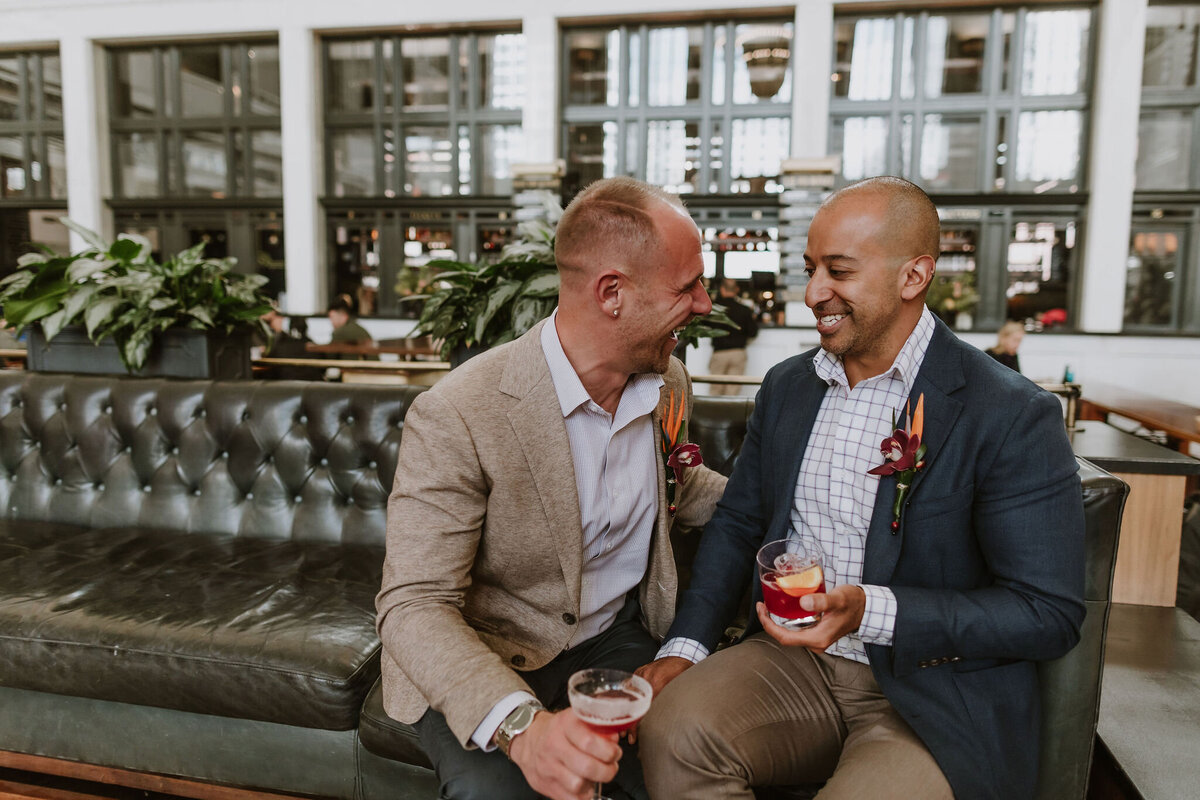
{"x": 338, "y": 147}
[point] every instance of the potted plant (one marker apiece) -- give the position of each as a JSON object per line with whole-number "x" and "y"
{"x": 111, "y": 308}
{"x": 482, "y": 305}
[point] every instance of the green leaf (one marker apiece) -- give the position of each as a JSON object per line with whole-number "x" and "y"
{"x": 544, "y": 285}
{"x": 53, "y": 323}
{"x": 87, "y": 234}
{"x": 498, "y": 298}
{"x": 202, "y": 315}
{"x": 16, "y": 282}
{"x": 29, "y": 259}
{"x": 20, "y": 312}
{"x": 100, "y": 312}
{"x": 79, "y": 299}
{"x": 125, "y": 250}
{"x": 82, "y": 269}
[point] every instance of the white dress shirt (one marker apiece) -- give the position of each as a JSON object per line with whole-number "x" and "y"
{"x": 835, "y": 496}
{"x": 616, "y": 475}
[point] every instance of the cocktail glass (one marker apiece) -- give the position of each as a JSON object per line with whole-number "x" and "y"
{"x": 608, "y": 701}
{"x": 789, "y": 569}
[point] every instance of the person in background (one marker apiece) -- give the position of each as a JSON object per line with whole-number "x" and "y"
{"x": 345, "y": 327}
{"x": 1008, "y": 340}
{"x": 729, "y": 351}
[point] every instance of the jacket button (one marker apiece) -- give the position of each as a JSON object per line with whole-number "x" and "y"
{"x": 922, "y": 664}
{"x": 569, "y": 618}
{"x": 518, "y": 660}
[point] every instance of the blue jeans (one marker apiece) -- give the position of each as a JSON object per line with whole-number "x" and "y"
{"x": 476, "y": 775}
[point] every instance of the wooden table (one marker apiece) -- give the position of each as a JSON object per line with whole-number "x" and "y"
{"x": 1147, "y": 571}
{"x": 407, "y": 349}
{"x": 1179, "y": 421}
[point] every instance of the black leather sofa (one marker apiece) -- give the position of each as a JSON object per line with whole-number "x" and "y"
{"x": 187, "y": 581}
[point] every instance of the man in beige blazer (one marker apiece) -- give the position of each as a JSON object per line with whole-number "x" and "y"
{"x": 528, "y": 528}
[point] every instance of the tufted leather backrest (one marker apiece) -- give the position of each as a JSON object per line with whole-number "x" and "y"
{"x": 280, "y": 460}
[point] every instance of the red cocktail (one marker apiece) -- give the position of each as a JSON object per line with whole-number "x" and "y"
{"x": 608, "y": 701}
{"x": 788, "y": 570}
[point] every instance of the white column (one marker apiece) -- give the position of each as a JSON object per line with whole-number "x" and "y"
{"x": 812, "y": 59}
{"x": 85, "y": 135}
{"x": 1112, "y": 158}
{"x": 303, "y": 169}
{"x": 540, "y": 118}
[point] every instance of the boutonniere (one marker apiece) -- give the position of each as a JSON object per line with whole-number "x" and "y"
{"x": 903, "y": 454}
{"x": 676, "y": 457}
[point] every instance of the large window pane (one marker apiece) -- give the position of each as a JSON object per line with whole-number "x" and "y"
{"x": 428, "y": 157}
{"x": 862, "y": 144}
{"x": 137, "y": 162}
{"x": 762, "y": 67}
{"x": 134, "y": 83}
{"x": 264, "y": 79}
{"x": 1164, "y": 157}
{"x": 267, "y": 163}
{"x": 426, "y": 67}
{"x": 593, "y": 67}
{"x": 10, "y": 88}
{"x": 1055, "y": 54}
{"x": 1040, "y": 259}
{"x": 1170, "y": 55}
{"x": 863, "y": 53}
{"x": 52, "y": 86}
{"x": 756, "y": 154}
{"x": 592, "y": 151}
{"x": 1152, "y": 276}
{"x": 202, "y": 81}
{"x": 950, "y": 153}
{"x": 56, "y": 165}
{"x": 353, "y": 163}
{"x": 14, "y": 177}
{"x": 1048, "y": 150}
{"x": 673, "y": 66}
{"x": 673, "y": 155}
{"x": 955, "y": 50}
{"x": 500, "y": 147}
{"x": 204, "y": 163}
{"x": 352, "y": 76}
{"x": 502, "y": 71}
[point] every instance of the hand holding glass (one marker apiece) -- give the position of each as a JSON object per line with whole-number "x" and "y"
{"x": 608, "y": 701}
{"x": 789, "y": 569}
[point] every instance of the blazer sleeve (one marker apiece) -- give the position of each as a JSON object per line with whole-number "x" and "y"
{"x": 725, "y": 559}
{"x": 434, "y": 524}
{"x": 1027, "y": 517}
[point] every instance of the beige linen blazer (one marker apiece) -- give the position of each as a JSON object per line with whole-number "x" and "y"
{"x": 484, "y": 539}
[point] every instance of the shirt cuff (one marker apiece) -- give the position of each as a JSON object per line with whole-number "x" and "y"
{"x": 680, "y": 647}
{"x": 484, "y": 735}
{"x": 878, "y": 624}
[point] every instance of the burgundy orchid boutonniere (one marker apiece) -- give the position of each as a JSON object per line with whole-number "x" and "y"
{"x": 676, "y": 457}
{"x": 903, "y": 454}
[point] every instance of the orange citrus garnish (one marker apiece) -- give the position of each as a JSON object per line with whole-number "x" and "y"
{"x": 799, "y": 584}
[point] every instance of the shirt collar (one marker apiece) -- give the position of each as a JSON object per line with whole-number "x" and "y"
{"x": 643, "y": 388}
{"x": 830, "y": 368}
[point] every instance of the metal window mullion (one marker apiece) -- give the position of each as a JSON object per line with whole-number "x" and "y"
{"x": 452, "y": 105}
{"x": 397, "y": 117}
{"x": 1190, "y": 285}
{"x": 1194, "y": 134}
{"x": 228, "y": 128}
{"x": 704, "y": 129}
{"x": 726, "y": 183}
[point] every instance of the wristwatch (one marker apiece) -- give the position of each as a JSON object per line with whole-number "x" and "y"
{"x": 516, "y": 723}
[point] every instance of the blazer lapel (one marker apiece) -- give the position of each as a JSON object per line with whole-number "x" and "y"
{"x": 940, "y": 375}
{"x": 541, "y": 431}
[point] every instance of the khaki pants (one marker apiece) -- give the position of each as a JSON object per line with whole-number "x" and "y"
{"x": 727, "y": 362}
{"x": 761, "y": 714}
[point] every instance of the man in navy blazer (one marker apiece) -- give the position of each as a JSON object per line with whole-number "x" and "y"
{"x": 919, "y": 679}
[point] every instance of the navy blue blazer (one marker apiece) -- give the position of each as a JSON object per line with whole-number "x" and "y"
{"x": 987, "y": 565}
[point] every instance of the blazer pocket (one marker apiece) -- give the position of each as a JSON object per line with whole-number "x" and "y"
{"x": 922, "y": 506}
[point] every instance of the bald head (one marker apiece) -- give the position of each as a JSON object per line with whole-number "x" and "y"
{"x": 911, "y": 226}
{"x": 609, "y": 225}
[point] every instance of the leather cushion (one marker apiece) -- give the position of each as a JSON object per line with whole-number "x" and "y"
{"x": 387, "y": 737}
{"x": 279, "y": 630}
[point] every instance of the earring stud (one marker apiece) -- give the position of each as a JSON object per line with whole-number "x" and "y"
{"x": 614, "y": 312}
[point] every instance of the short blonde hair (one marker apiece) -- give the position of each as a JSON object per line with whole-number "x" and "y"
{"x": 609, "y": 222}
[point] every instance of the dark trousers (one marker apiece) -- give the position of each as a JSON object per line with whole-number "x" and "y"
{"x": 476, "y": 775}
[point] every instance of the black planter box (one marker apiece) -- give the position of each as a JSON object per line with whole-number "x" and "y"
{"x": 176, "y": 353}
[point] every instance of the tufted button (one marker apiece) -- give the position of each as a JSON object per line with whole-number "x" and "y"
{"x": 249, "y": 495}
{"x": 518, "y": 660}
{"x": 349, "y": 420}
{"x": 271, "y": 459}
{"x": 324, "y": 462}
{"x": 107, "y": 409}
{"x": 145, "y": 487}
{"x": 224, "y": 454}
{"x": 303, "y": 420}
{"x": 62, "y": 407}
{"x": 153, "y": 412}
{"x": 245, "y": 416}
{"x": 128, "y": 448}
{"x": 98, "y": 486}
{"x": 349, "y": 501}
{"x": 196, "y": 492}
{"x": 569, "y": 618}
{"x": 296, "y": 499}
{"x": 175, "y": 451}
{"x": 200, "y": 413}
{"x": 372, "y": 464}
{"x": 58, "y": 481}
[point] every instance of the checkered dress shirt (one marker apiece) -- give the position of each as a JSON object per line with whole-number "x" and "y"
{"x": 835, "y": 497}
